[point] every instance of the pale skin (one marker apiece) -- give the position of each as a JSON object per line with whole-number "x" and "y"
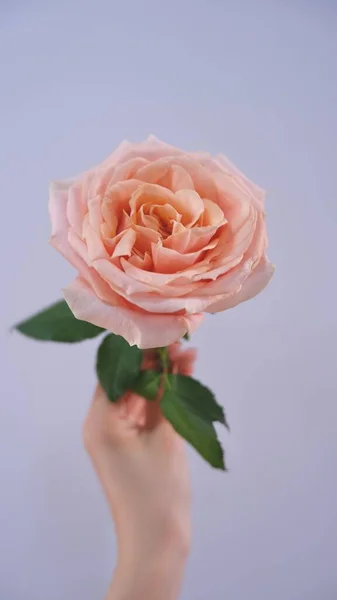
{"x": 142, "y": 466}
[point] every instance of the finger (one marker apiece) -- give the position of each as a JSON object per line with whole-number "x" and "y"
{"x": 102, "y": 421}
{"x": 133, "y": 410}
{"x": 153, "y": 415}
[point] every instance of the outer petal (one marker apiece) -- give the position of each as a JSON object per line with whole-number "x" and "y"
{"x": 254, "y": 284}
{"x": 118, "y": 155}
{"x": 58, "y": 197}
{"x": 138, "y": 328}
{"x": 124, "y": 282}
{"x": 150, "y": 149}
{"x": 157, "y": 148}
{"x": 77, "y": 206}
{"x": 127, "y": 170}
{"x": 118, "y": 279}
{"x": 144, "y": 297}
{"x": 60, "y": 240}
{"x": 95, "y": 246}
{"x": 230, "y": 179}
{"x": 153, "y": 303}
{"x": 255, "y": 190}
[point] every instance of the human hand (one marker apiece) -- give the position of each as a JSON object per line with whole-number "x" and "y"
{"x": 141, "y": 463}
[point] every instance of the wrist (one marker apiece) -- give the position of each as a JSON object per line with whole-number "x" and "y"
{"x": 153, "y": 532}
{"x": 149, "y": 573}
{"x": 154, "y": 580}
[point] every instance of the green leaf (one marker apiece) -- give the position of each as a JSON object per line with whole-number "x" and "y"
{"x": 118, "y": 365}
{"x": 147, "y": 384}
{"x": 199, "y": 397}
{"x": 56, "y": 323}
{"x": 191, "y": 423}
{"x": 186, "y": 336}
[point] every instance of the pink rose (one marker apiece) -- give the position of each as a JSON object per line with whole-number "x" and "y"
{"x": 159, "y": 236}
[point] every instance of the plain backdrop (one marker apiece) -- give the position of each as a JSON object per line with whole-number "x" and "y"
{"x": 256, "y": 81}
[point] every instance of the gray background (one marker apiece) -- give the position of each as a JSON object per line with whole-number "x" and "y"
{"x": 257, "y": 81}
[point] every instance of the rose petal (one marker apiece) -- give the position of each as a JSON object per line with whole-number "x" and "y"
{"x": 94, "y": 242}
{"x": 203, "y": 181}
{"x": 241, "y": 180}
{"x": 122, "y": 283}
{"x": 118, "y": 280}
{"x": 138, "y": 328}
{"x": 190, "y": 240}
{"x": 118, "y": 155}
{"x": 159, "y": 282}
{"x": 166, "y": 260}
{"x": 116, "y": 200}
{"x": 79, "y": 246}
{"x": 180, "y": 281}
{"x": 213, "y": 214}
{"x": 59, "y": 239}
{"x": 180, "y": 179}
{"x": 154, "y": 303}
{"x": 95, "y": 213}
{"x": 165, "y": 213}
{"x": 145, "y": 238}
{"x": 162, "y": 172}
{"x": 146, "y": 220}
{"x": 77, "y": 207}
{"x": 127, "y": 170}
{"x": 108, "y": 232}
{"x": 254, "y": 284}
{"x": 225, "y": 284}
{"x": 230, "y": 250}
{"x": 179, "y": 241}
{"x": 192, "y": 206}
{"x": 142, "y": 262}
{"x": 125, "y": 244}
{"x": 58, "y": 198}
{"x": 150, "y": 149}
{"x": 153, "y": 194}
{"x": 154, "y": 172}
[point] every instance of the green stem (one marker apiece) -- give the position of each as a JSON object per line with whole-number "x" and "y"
{"x": 164, "y": 359}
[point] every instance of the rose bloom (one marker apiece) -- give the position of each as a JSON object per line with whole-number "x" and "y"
{"x": 159, "y": 237}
